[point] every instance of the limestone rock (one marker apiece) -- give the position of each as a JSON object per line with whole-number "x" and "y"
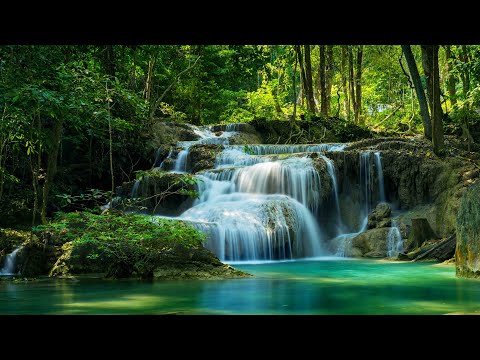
{"x": 467, "y": 255}
{"x": 378, "y": 215}
{"x": 371, "y": 243}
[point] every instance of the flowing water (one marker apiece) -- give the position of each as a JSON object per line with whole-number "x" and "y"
{"x": 329, "y": 286}
{"x": 267, "y": 202}
{"x": 10, "y": 262}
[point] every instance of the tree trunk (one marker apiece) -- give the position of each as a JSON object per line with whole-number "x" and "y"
{"x": 110, "y": 146}
{"x": 321, "y": 81}
{"x": 109, "y": 60}
{"x": 450, "y": 77}
{"x": 358, "y": 85}
{"x": 276, "y": 95}
{"x": 51, "y": 166}
{"x": 294, "y": 115}
{"x": 420, "y": 232}
{"x": 422, "y": 100}
{"x": 351, "y": 79}
{"x": 147, "y": 91}
{"x": 465, "y": 72}
{"x": 343, "y": 70}
{"x": 430, "y": 67}
{"x": 309, "y": 81}
{"x": 441, "y": 251}
{"x": 133, "y": 79}
{"x": 298, "y": 49}
{"x": 329, "y": 77}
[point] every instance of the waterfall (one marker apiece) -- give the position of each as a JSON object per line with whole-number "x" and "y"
{"x": 340, "y": 228}
{"x": 296, "y": 177}
{"x": 257, "y": 149}
{"x": 243, "y": 226}
{"x": 10, "y": 262}
{"x": 369, "y": 175}
{"x": 381, "y": 183}
{"x": 267, "y": 202}
{"x": 394, "y": 240}
{"x": 181, "y": 161}
{"x": 134, "y": 192}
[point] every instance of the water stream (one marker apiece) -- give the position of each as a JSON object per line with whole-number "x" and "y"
{"x": 275, "y": 202}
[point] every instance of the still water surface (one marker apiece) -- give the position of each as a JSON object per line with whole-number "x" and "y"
{"x": 317, "y": 286}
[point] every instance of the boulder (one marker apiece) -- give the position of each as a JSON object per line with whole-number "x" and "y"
{"x": 371, "y": 243}
{"x": 202, "y": 156}
{"x": 377, "y": 217}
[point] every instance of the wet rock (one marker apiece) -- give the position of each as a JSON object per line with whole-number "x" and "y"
{"x": 377, "y": 218}
{"x": 202, "y": 156}
{"x": 197, "y": 263}
{"x": 160, "y": 192}
{"x": 169, "y": 132}
{"x": 161, "y": 154}
{"x": 371, "y": 243}
{"x": 467, "y": 256}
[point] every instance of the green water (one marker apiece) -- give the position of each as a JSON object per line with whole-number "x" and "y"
{"x": 330, "y": 286}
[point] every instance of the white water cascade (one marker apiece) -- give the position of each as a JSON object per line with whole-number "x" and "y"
{"x": 10, "y": 262}
{"x": 394, "y": 240}
{"x": 268, "y": 202}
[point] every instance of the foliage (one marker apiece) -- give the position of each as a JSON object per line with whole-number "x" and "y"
{"x": 85, "y": 87}
{"x": 123, "y": 245}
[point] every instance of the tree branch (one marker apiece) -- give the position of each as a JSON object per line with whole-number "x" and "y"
{"x": 160, "y": 98}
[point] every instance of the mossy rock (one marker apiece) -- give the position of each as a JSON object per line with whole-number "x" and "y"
{"x": 467, "y": 254}
{"x": 371, "y": 243}
{"x": 203, "y": 156}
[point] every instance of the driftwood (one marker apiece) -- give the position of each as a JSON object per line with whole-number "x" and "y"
{"x": 441, "y": 251}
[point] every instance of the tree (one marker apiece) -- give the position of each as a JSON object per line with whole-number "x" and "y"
{"x": 358, "y": 85}
{"x": 422, "y": 100}
{"x": 343, "y": 74}
{"x": 351, "y": 79}
{"x": 432, "y": 73}
{"x": 322, "y": 85}
{"x": 329, "y": 70}
{"x": 309, "y": 80}
{"x": 450, "y": 76}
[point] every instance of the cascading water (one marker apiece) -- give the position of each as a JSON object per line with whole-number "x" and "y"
{"x": 257, "y": 227}
{"x": 381, "y": 182}
{"x": 267, "y": 202}
{"x": 10, "y": 262}
{"x": 394, "y": 240}
{"x": 256, "y": 149}
{"x": 333, "y": 177}
{"x": 371, "y": 173}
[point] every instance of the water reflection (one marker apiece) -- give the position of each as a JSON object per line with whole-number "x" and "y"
{"x": 298, "y": 287}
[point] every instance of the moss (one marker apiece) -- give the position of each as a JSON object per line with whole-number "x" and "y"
{"x": 121, "y": 246}
{"x": 203, "y": 156}
{"x": 467, "y": 255}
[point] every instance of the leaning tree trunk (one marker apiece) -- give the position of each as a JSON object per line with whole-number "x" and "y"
{"x": 422, "y": 100}
{"x": 309, "y": 81}
{"x": 450, "y": 77}
{"x": 321, "y": 81}
{"x": 430, "y": 67}
{"x": 351, "y": 79}
{"x": 358, "y": 85}
{"x": 343, "y": 70}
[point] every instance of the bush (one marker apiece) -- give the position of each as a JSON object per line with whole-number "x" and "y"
{"x": 122, "y": 245}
